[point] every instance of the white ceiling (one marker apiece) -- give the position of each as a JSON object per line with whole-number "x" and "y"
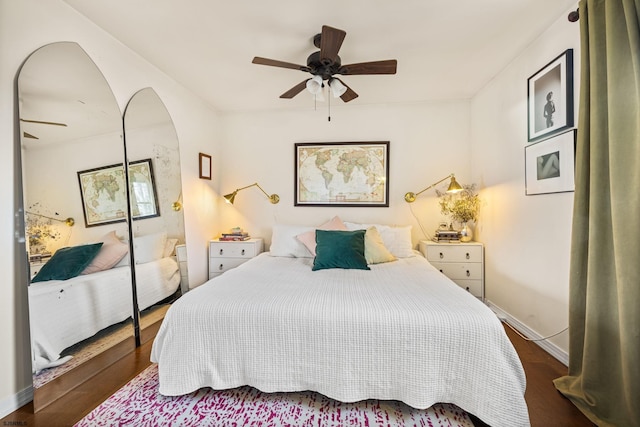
{"x": 445, "y": 49}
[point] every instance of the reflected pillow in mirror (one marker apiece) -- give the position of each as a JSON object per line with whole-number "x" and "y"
{"x": 67, "y": 262}
{"x": 169, "y": 248}
{"x": 340, "y": 249}
{"x": 112, "y": 251}
{"x": 149, "y": 248}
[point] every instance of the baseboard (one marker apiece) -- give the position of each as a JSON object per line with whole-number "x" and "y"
{"x": 13, "y": 403}
{"x": 547, "y": 346}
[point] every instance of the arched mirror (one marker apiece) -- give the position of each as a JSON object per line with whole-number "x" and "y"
{"x": 80, "y": 298}
{"x": 153, "y": 157}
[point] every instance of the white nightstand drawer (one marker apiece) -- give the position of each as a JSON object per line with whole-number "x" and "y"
{"x": 220, "y": 265}
{"x": 235, "y": 250}
{"x": 454, "y": 253}
{"x": 473, "y": 286}
{"x": 463, "y": 271}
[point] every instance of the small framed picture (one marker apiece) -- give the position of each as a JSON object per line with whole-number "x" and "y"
{"x": 550, "y": 165}
{"x": 205, "y": 166}
{"x": 550, "y": 98}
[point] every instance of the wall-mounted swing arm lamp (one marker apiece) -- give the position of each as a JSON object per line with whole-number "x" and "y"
{"x": 454, "y": 187}
{"x": 69, "y": 221}
{"x": 177, "y": 205}
{"x": 273, "y": 198}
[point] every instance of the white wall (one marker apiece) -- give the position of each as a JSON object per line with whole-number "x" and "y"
{"x": 527, "y": 238}
{"x": 26, "y": 25}
{"x": 428, "y": 141}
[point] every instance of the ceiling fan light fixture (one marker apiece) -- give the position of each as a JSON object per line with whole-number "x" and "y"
{"x": 314, "y": 85}
{"x": 337, "y": 88}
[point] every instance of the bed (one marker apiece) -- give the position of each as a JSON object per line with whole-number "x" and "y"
{"x": 65, "y": 312}
{"x": 396, "y": 331}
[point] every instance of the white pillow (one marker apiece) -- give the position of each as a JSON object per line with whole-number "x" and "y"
{"x": 111, "y": 252}
{"x": 284, "y": 242}
{"x": 149, "y": 248}
{"x": 169, "y": 247}
{"x": 396, "y": 239}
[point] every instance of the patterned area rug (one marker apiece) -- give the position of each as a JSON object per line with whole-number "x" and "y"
{"x": 139, "y": 404}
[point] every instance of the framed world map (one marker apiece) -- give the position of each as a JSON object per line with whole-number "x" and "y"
{"x": 342, "y": 174}
{"x": 104, "y": 199}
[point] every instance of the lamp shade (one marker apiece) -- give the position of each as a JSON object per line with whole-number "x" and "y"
{"x": 454, "y": 187}
{"x": 314, "y": 85}
{"x": 337, "y": 88}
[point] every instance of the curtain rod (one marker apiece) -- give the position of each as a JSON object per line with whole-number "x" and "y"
{"x": 574, "y": 16}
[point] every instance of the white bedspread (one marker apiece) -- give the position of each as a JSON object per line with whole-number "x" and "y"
{"x": 401, "y": 331}
{"x": 65, "y": 312}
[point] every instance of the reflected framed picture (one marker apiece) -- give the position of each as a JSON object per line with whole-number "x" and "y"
{"x": 353, "y": 174}
{"x": 205, "y": 166}
{"x": 550, "y": 98}
{"x": 103, "y": 195}
{"x": 143, "y": 194}
{"x": 550, "y": 165}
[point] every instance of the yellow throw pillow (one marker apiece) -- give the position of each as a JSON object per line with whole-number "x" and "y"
{"x": 374, "y": 249}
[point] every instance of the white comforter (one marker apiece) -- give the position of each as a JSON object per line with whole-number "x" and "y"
{"x": 65, "y": 312}
{"x": 401, "y": 331}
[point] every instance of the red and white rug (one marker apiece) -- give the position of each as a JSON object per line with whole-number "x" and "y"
{"x": 139, "y": 404}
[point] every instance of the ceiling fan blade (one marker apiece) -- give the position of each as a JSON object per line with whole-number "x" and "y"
{"x": 28, "y": 135}
{"x": 330, "y": 43}
{"x": 349, "y": 95}
{"x": 294, "y": 90}
{"x": 281, "y": 64}
{"x": 43, "y": 123}
{"x": 375, "y": 67}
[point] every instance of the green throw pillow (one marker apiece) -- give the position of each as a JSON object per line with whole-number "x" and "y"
{"x": 340, "y": 249}
{"x": 68, "y": 262}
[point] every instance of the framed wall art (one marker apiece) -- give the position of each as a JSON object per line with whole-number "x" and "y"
{"x": 550, "y": 165}
{"x": 103, "y": 195}
{"x": 550, "y": 98}
{"x": 205, "y": 165}
{"x": 342, "y": 174}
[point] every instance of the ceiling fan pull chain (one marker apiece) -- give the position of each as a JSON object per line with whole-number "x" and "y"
{"x": 329, "y": 103}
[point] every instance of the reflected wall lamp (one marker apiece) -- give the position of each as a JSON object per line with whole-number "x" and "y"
{"x": 177, "y": 205}
{"x": 454, "y": 187}
{"x": 69, "y": 221}
{"x": 229, "y": 198}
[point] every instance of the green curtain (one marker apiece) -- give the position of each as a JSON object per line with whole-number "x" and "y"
{"x": 604, "y": 302}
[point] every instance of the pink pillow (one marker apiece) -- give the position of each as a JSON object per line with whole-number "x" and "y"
{"x": 309, "y": 238}
{"x": 112, "y": 251}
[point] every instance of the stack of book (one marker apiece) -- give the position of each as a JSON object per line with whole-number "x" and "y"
{"x": 447, "y": 236}
{"x": 234, "y": 236}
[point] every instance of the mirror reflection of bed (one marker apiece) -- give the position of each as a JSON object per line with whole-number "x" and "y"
{"x": 81, "y": 299}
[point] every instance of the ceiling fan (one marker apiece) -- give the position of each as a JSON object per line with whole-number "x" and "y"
{"x": 325, "y": 64}
{"x": 40, "y": 122}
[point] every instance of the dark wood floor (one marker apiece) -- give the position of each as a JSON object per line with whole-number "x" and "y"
{"x": 547, "y": 407}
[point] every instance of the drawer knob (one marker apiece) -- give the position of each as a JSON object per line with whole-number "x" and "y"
{"x": 221, "y": 251}
{"x": 243, "y": 252}
{"x": 468, "y": 290}
{"x": 221, "y": 267}
{"x": 441, "y": 255}
{"x": 468, "y": 273}
{"x": 468, "y": 255}
{"x": 441, "y": 271}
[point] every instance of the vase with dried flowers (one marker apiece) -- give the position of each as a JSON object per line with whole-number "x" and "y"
{"x": 461, "y": 207}
{"x": 40, "y": 232}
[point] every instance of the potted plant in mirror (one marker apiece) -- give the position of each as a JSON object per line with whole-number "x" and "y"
{"x": 462, "y": 207}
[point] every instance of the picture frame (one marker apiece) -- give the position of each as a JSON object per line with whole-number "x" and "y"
{"x": 103, "y": 195}
{"x": 204, "y": 161}
{"x": 550, "y": 165}
{"x": 348, "y": 174}
{"x": 143, "y": 194}
{"x": 550, "y": 98}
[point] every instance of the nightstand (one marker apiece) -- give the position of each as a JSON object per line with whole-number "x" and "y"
{"x": 225, "y": 255}
{"x": 181, "y": 256}
{"x": 35, "y": 266}
{"x": 461, "y": 262}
